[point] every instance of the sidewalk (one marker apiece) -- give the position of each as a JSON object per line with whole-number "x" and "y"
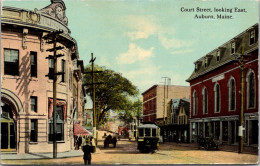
{"x": 29, "y": 156}
{"x": 228, "y": 148}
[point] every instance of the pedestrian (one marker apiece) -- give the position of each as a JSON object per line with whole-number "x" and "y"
{"x": 87, "y": 149}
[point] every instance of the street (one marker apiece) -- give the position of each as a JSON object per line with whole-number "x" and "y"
{"x": 169, "y": 153}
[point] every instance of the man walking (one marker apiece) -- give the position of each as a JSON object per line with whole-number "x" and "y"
{"x": 87, "y": 149}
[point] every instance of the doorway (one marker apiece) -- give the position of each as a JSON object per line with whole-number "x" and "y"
{"x": 8, "y": 132}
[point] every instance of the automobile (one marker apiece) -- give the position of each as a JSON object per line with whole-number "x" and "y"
{"x": 148, "y": 135}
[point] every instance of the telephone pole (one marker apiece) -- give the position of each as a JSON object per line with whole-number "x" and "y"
{"x": 93, "y": 83}
{"x": 52, "y": 39}
{"x": 241, "y": 115}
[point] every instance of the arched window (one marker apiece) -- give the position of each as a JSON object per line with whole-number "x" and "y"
{"x": 195, "y": 103}
{"x": 250, "y": 89}
{"x": 205, "y": 100}
{"x": 217, "y": 98}
{"x": 232, "y": 94}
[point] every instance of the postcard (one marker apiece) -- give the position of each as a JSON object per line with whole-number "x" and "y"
{"x": 111, "y": 82}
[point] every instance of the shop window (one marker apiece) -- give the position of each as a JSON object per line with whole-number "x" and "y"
{"x": 252, "y": 37}
{"x": 33, "y": 56}
{"x": 11, "y": 62}
{"x": 59, "y": 125}
{"x": 34, "y": 103}
{"x": 34, "y": 130}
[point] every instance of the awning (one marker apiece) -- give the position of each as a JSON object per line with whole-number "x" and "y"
{"x": 79, "y": 130}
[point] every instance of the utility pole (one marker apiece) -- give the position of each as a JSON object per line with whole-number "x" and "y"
{"x": 241, "y": 115}
{"x": 92, "y": 60}
{"x": 52, "y": 39}
{"x": 166, "y": 83}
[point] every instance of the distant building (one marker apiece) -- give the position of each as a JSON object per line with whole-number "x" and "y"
{"x": 88, "y": 117}
{"x": 154, "y": 106}
{"x": 177, "y": 125}
{"x": 26, "y": 91}
{"x": 216, "y": 91}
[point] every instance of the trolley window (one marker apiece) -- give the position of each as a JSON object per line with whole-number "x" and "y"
{"x": 141, "y": 132}
{"x": 154, "y": 132}
{"x": 148, "y": 132}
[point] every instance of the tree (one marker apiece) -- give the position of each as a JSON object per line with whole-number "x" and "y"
{"x": 112, "y": 94}
{"x": 133, "y": 109}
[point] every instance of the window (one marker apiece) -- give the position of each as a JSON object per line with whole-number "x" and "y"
{"x": 147, "y": 132}
{"x": 34, "y": 130}
{"x": 233, "y": 47}
{"x": 251, "y": 89}
{"x": 217, "y": 98}
{"x": 33, "y": 56}
{"x": 59, "y": 125}
{"x": 141, "y": 132}
{"x": 154, "y": 132}
{"x": 63, "y": 70}
{"x": 206, "y": 62}
{"x": 205, "y": 100}
{"x": 195, "y": 103}
{"x": 252, "y": 37}
{"x": 218, "y": 56}
{"x": 51, "y": 69}
{"x": 232, "y": 94}
{"x": 11, "y": 62}
{"x": 33, "y": 103}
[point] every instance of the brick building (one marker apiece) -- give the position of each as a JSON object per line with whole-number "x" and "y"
{"x": 155, "y": 101}
{"x": 26, "y": 91}
{"x": 215, "y": 90}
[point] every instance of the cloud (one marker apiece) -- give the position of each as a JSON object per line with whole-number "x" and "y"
{"x": 141, "y": 27}
{"x": 134, "y": 54}
{"x": 171, "y": 43}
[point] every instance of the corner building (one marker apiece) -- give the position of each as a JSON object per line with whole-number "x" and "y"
{"x": 26, "y": 91}
{"x": 216, "y": 91}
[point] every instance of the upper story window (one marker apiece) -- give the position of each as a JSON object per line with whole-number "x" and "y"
{"x": 233, "y": 47}
{"x": 63, "y": 70}
{"x": 232, "y": 94}
{"x": 34, "y": 103}
{"x": 11, "y": 62}
{"x": 195, "y": 103}
{"x": 206, "y": 62}
{"x": 51, "y": 69}
{"x": 205, "y": 100}
{"x": 33, "y": 56}
{"x": 252, "y": 37}
{"x": 218, "y": 56}
{"x": 251, "y": 90}
{"x": 217, "y": 98}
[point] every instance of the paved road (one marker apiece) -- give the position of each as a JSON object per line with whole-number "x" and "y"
{"x": 126, "y": 153}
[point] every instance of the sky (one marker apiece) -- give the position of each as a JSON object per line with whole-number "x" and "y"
{"x": 146, "y": 40}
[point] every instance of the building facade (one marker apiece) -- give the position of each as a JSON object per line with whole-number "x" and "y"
{"x": 177, "y": 124}
{"x": 26, "y": 91}
{"x": 155, "y": 101}
{"x": 216, "y": 91}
